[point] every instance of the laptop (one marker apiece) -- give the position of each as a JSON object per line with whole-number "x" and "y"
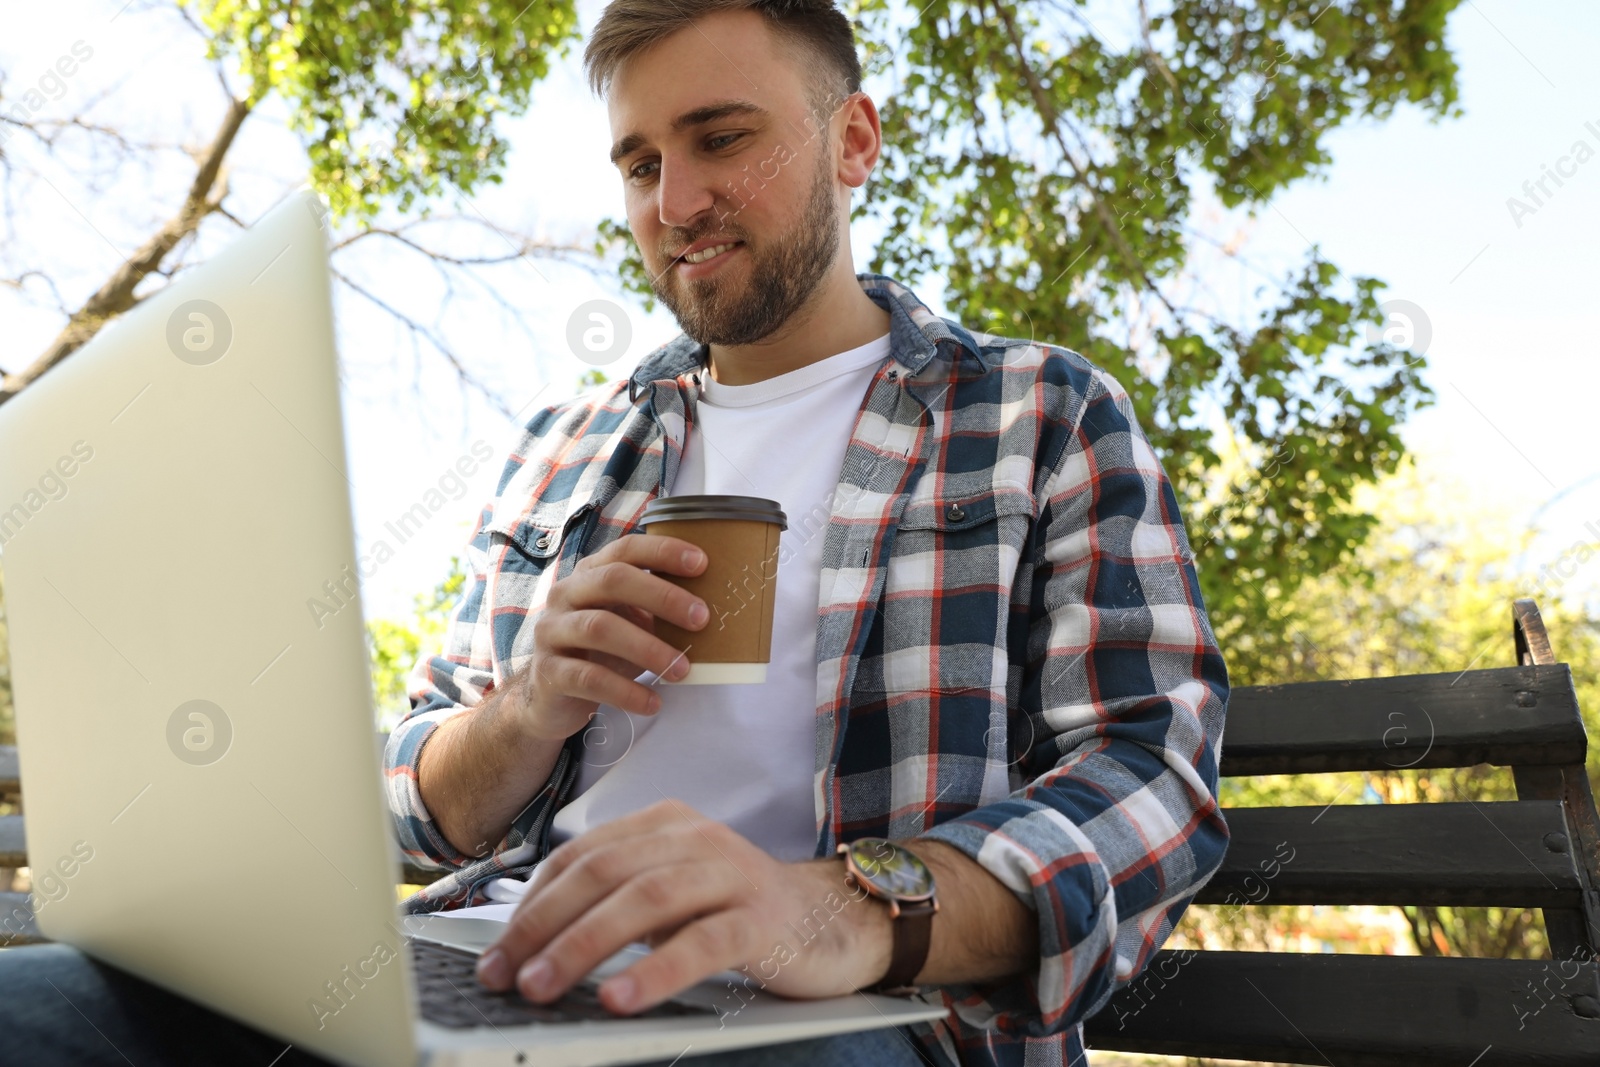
{"x": 196, "y": 729}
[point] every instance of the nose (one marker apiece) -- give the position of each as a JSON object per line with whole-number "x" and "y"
{"x": 685, "y": 192}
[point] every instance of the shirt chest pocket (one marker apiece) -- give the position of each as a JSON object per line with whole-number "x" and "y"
{"x": 528, "y": 543}
{"x": 523, "y": 553}
{"x": 947, "y": 598}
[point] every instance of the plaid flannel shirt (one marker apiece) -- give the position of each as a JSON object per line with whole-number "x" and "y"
{"x": 1012, "y": 651}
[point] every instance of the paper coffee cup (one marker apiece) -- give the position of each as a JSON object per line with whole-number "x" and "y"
{"x": 739, "y": 535}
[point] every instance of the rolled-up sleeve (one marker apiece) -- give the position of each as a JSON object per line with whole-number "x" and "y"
{"x": 1117, "y": 824}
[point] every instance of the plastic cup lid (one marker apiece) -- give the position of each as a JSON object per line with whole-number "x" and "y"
{"x": 714, "y": 506}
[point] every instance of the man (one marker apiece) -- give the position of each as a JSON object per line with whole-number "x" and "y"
{"x": 989, "y": 646}
{"x": 990, "y": 643}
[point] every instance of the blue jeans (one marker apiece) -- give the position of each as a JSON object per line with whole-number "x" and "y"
{"x": 60, "y": 1008}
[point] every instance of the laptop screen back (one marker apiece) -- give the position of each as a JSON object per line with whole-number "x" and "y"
{"x": 200, "y": 775}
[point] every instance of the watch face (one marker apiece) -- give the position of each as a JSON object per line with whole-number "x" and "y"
{"x": 892, "y": 871}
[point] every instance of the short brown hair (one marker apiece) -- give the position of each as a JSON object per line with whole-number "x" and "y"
{"x": 807, "y": 30}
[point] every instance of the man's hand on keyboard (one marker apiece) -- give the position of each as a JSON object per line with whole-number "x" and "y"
{"x": 706, "y": 899}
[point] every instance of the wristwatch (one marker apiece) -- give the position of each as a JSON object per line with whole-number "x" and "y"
{"x": 897, "y": 877}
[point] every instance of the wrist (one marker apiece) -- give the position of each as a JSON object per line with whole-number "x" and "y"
{"x": 523, "y": 723}
{"x": 896, "y": 878}
{"x": 521, "y": 720}
{"x": 866, "y": 932}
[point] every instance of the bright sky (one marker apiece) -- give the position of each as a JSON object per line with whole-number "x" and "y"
{"x": 1509, "y": 302}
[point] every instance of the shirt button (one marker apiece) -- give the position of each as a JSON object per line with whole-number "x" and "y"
{"x": 954, "y": 513}
{"x": 543, "y": 542}
{"x": 892, "y": 375}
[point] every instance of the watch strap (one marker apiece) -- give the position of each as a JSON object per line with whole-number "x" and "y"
{"x": 913, "y": 933}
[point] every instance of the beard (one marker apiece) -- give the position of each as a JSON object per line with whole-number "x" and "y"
{"x": 719, "y": 310}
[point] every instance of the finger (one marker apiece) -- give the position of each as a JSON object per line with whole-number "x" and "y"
{"x": 618, "y": 583}
{"x": 599, "y": 630}
{"x": 644, "y": 621}
{"x": 656, "y": 938}
{"x": 719, "y": 941}
{"x": 627, "y": 668}
{"x": 670, "y": 895}
{"x": 659, "y": 552}
{"x": 585, "y": 679}
{"x": 670, "y": 825}
{"x": 662, "y": 934}
{"x": 563, "y": 894}
{"x": 638, "y": 616}
{"x": 663, "y": 817}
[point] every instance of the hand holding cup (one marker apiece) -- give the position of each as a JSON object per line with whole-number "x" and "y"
{"x": 596, "y": 633}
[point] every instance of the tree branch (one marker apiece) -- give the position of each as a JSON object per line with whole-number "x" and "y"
{"x": 116, "y": 295}
{"x": 1052, "y": 121}
{"x": 524, "y": 246}
{"x": 419, "y": 330}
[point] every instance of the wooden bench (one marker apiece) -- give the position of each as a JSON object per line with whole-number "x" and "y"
{"x": 1539, "y": 851}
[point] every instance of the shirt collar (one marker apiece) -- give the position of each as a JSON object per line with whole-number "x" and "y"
{"x": 915, "y": 334}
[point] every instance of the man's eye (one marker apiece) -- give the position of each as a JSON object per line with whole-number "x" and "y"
{"x": 717, "y": 141}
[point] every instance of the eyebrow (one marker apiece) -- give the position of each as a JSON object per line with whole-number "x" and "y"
{"x": 698, "y": 117}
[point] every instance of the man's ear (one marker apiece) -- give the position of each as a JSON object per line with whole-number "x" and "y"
{"x": 861, "y": 140}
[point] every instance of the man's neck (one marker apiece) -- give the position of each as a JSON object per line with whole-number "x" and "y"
{"x": 840, "y": 318}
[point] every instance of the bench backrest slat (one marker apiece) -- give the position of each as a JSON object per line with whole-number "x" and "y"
{"x": 1503, "y": 716}
{"x": 1357, "y": 1011}
{"x": 1514, "y": 854}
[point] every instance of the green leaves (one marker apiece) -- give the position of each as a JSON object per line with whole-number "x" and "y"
{"x": 395, "y": 645}
{"x": 397, "y": 100}
{"x": 631, "y": 271}
{"x": 1070, "y": 161}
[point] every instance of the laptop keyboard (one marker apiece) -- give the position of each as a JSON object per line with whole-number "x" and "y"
{"x": 447, "y": 985}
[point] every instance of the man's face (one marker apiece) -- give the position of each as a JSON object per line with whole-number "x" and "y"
{"x": 756, "y": 169}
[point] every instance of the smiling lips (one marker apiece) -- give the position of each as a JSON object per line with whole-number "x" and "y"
{"x": 709, "y": 253}
{"x": 706, "y": 259}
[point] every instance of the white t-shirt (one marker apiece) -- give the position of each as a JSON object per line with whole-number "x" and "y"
{"x": 743, "y": 755}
